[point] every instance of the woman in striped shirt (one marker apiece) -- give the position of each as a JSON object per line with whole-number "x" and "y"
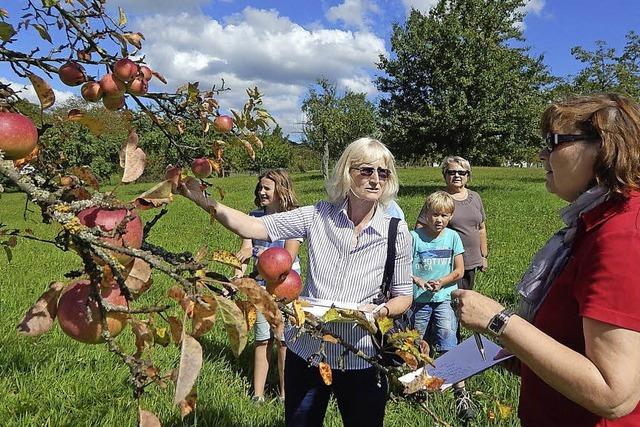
{"x": 347, "y": 246}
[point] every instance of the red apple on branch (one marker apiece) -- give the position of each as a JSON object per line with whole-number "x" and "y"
{"x": 113, "y": 103}
{"x": 138, "y": 86}
{"x": 91, "y": 91}
{"x": 111, "y": 221}
{"x": 125, "y": 69}
{"x": 223, "y": 124}
{"x": 289, "y": 289}
{"x": 201, "y": 167}
{"x": 146, "y": 72}
{"x": 82, "y": 321}
{"x": 72, "y": 74}
{"x": 274, "y": 264}
{"x": 111, "y": 86}
{"x": 18, "y": 135}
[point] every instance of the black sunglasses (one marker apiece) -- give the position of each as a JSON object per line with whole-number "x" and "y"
{"x": 452, "y": 172}
{"x": 368, "y": 171}
{"x": 552, "y": 140}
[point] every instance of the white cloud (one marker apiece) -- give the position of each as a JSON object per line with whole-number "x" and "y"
{"x": 27, "y": 92}
{"x": 534, "y": 6}
{"x": 352, "y": 13}
{"x": 423, "y": 6}
{"x": 262, "y": 48}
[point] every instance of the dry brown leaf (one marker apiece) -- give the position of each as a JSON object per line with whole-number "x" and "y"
{"x": 132, "y": 158}
{"x": 325, "y": 372}
{"x": 249, "y": 311}
{"x": 144, "y": 336}
{"x": 45, "y": 94}
{"x": 189, "y": 368}
{"x": 408, "y": 358}
{"x": 234, "y": 323}
{"x": 39, "y": 318}
{"x": 85, "y": 174}
{"x": 188, "y": 405}
{"x": 138, "y": 277}
{"x": 176, "y": 293}
{"x": 175, "y": 326}
{"x": 253, "y": 138}
{"x": 134, "y": 39}
{"x": 330, "y": 338}
{"x": 158, "y": 195}
{"x": 260, "y": 298}
{"x": 225, "y": 257}
{"x": 159, "y": 76}
{"x": 203, "y": 317}
{"x": 147, "y": 419}
{"x": 248, "y": 148}
{"x": 95, "y": 125}
{"x": 299, "y": 312}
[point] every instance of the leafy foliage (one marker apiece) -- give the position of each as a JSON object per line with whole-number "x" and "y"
{"x": 333, "y": 121}
{"x": 460, "y": 82}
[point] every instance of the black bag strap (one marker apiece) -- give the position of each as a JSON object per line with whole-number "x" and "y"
{"x": 389, "y": 265}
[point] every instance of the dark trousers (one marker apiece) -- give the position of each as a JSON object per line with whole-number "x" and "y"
{"x": 360, "y": 400}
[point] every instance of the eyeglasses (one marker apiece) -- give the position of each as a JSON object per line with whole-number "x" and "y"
{"x": 453, "y": 172}
{"x": 552, "y": 140}
{"x": 368, "y": 171}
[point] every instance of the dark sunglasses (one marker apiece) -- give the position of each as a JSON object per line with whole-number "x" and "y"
{"x": 452, "y": 172}
{"x": 552, "y": 140}
{"x": 368, "y": 171}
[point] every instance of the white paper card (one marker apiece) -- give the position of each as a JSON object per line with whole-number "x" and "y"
{"x": 461, "y": 362}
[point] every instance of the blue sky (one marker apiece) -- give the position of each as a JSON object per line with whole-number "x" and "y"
{"x": 283, "y": 46}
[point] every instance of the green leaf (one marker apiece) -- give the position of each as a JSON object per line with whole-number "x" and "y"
{"x": 43, "y": 32}
{"x": 50, "y": 3}
{"x": 6, "y": 31}
{"x": 122, "y": 17}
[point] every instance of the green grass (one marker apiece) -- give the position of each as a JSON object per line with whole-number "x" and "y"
{"x": 52, "y": 380}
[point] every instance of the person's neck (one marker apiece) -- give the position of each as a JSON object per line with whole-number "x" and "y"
{"x": 458, "y": 193}
{"x": 360, "y": 211}
{"x": 432, "y": 234}
{"x": 270, "y": 209}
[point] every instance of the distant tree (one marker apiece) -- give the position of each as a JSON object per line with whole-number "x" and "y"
{"x": 605, "y": 70}
{"x": 275, "y": 153}
{"x": 460, "y": 82}
{"x": 333, "y": 121}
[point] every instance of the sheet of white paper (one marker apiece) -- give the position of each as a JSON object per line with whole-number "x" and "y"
{"x": 461, "y": 362}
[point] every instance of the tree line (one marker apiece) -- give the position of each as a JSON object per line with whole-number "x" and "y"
{"x": 461, "y": 80}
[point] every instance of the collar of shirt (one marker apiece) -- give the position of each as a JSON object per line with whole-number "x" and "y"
{"x": 609, "y": 208}
{"x": 376, "y": 222}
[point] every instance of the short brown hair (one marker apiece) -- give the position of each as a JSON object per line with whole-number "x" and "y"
{"x": 616, "y": 119}
{"x": 439, "y": 202}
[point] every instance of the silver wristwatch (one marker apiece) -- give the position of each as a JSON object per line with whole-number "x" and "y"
{"x": 499, "y": 322}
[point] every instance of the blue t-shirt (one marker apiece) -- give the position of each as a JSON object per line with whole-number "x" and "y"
{"x": 264, "y": 244}
{"x": 432, "y": 259}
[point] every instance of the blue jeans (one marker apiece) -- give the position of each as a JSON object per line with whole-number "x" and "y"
{"x": 360, "y": 399}
{"x": 437, "y": 324}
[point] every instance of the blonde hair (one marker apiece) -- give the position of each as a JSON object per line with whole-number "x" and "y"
{"x": 456, "y": 159}
{"x": 616, "y": 120}
{"x": 283, "y": 189}
{"x": 440, "y": 202}
{"x": 360, "y": 151}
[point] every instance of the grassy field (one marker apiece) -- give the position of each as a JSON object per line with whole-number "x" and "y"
{"x": 54, "y": 381}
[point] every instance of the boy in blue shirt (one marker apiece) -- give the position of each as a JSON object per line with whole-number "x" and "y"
{"x": 437, "y": 266}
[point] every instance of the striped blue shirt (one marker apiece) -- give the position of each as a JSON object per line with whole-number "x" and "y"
{"x": 339, "y": 273}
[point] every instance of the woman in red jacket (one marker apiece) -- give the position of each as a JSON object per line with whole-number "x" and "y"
{"x": 577, "y": 333}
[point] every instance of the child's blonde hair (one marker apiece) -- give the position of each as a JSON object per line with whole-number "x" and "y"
{"x": 283, "y": 189}
{"x": 440, "y": 201}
